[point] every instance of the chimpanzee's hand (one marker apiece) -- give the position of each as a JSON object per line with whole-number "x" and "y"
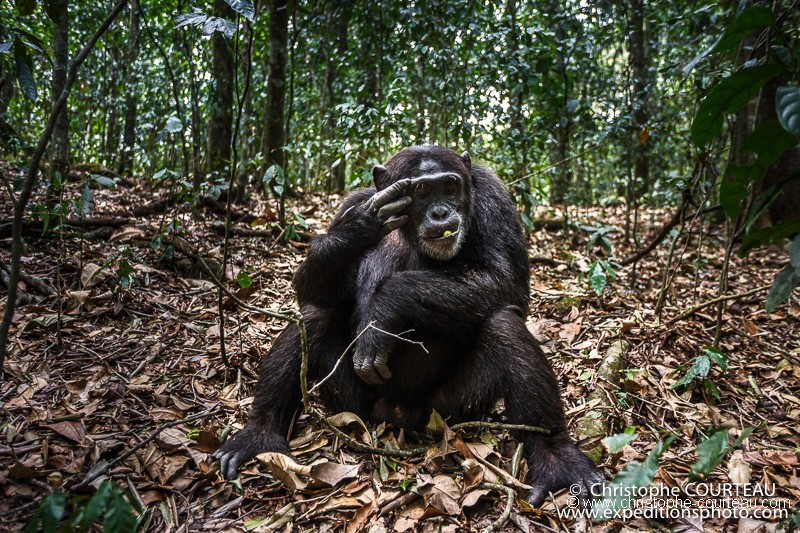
{"x": 384, "y": 207}
{"x": 371, "y": 356}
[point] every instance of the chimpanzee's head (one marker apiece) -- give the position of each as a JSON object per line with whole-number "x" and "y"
{"x": 441, "y": 190}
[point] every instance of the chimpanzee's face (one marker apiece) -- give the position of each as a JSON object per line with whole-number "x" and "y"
{"x": 441, "y": 193}
{"x": 436, "y": 214}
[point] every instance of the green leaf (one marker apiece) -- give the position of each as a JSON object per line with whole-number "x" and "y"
{"x": 598, "y": 278}
{"x": 769, "y": 141}
{"x": 119, "y": 516}
{"x": 712, "y": 451}
{"x": 733, "y": 189}
{"x": 787, "y": 104}
{"x": 615, "y": 443}
{"x": 96, "y": 506}
{"x": 243, "y": 280}
{"x": 750, "y": 20}
{"x": 709, "y": 454}
{"x": 51, "y": 511}
{"x": 174, "y": 124}
{"x": 728, "y": 96}
{"x": 717, "y": 356}
{"x": 785, "y": 282}
{"x": 712, "y": 389}
{"x": 633, "y": 476}
{"x": 244, "y": 8}
{"x": 794, "y": 252}
{"x": 24, "y": 69}
{"x": 700, "y": 368}
{"x": 87, "y": 201}
{"x": 773, "y": 235}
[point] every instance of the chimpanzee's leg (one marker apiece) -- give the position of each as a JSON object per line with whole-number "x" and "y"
{"x": 277, "y": 393}
{"x": 508, "y": 363}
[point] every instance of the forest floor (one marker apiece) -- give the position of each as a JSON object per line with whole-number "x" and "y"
{"x": 136, "y": 362}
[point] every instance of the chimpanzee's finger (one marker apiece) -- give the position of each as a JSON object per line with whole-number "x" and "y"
{"x": 394, "y": 223}
{"x": 382, "y": 366}
{"x": 379, "y": 199}
{"x": 389, "y": 210}
{"x": 369, "y": 374}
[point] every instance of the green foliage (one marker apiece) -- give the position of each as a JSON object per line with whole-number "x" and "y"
{"x": 768, "y": 142}
{"x": 728, "y": 96}
{"x": 748, "y": 21}
{"x": 633, "y": 476}
{"x": 615, "y": 443}
{"x": 207, "y": 24}
{"x": 118, "y": 511}
{"x": 599, "y": 273}
{"x": 598, "y": 236}
{"x": 244, "y": 8}
{"x": 785, "y": 282}
{"x": 712, "y": 451}
{"x": 243, "y": 280}
{"x": 787, "y": 105}
{"x": 700, "y": 368}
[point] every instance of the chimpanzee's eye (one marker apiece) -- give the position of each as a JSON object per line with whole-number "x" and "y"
{"x": 450, "y": 184}
{"x": 421, "y": 189}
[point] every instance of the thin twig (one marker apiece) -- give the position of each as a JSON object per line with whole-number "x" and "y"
{"x": 503, "y": 518}
{"x": 100, "y": 471}
{"x": 398, "y": 337}
{"x": 339, "y": 361}
{"x": 692, "y": 310}
{"x": 499, "y": 425}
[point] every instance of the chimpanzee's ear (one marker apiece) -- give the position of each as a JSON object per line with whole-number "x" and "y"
{"x": 467, "y": 160}
{"x": 380, "y": 176}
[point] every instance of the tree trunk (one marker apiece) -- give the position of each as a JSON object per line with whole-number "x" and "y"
{"x": 58, "y": 13}
{"x": 218, "y": 150}
{"x": 561, "y": 178}
{"x": 111, "y": 102}
{"x": 131, "y": 79}
{"x": 274, "y": 140}
{"x": 639, "y": 67}
{"x": 336, "y": 176}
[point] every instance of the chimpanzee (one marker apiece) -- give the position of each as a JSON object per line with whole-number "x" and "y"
{"x": 434, "y": 251}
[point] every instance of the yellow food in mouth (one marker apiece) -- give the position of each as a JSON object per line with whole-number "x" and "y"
{"x": 447, "y": 233}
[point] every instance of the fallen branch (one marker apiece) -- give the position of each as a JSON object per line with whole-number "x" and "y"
{"x": 37, "y": 283}
{"x": 692, "y": 310}
{"x": 676, "y": 218}
{"x": 593, "y": 423}
{"x": 499, "y": 425}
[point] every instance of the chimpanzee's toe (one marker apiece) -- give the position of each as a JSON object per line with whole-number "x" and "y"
{"x": 248, "y": 442}
{"x": 560, "y": 465}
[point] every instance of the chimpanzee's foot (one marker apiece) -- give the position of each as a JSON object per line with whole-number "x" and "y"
{"x": 251, "y": 440}
{"x": 556, "y": 463}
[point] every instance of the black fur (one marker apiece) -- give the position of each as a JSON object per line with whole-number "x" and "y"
{"x": 468, "y": 312}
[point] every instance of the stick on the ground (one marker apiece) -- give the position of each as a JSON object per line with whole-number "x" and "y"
{"x": 111, "y": 464}
{"x": 663, "y": 234}
{"x": 692, "y": 310}
{"x": 510, "y": 495}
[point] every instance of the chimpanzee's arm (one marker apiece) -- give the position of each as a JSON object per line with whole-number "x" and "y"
{"x": 326, "y": 277}
{"x": 453, "y": 304}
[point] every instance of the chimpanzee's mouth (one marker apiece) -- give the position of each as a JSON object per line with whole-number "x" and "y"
{"x": 447, "y": 236}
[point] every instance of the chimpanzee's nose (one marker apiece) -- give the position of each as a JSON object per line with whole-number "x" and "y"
{"x": 439, "y": 212}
